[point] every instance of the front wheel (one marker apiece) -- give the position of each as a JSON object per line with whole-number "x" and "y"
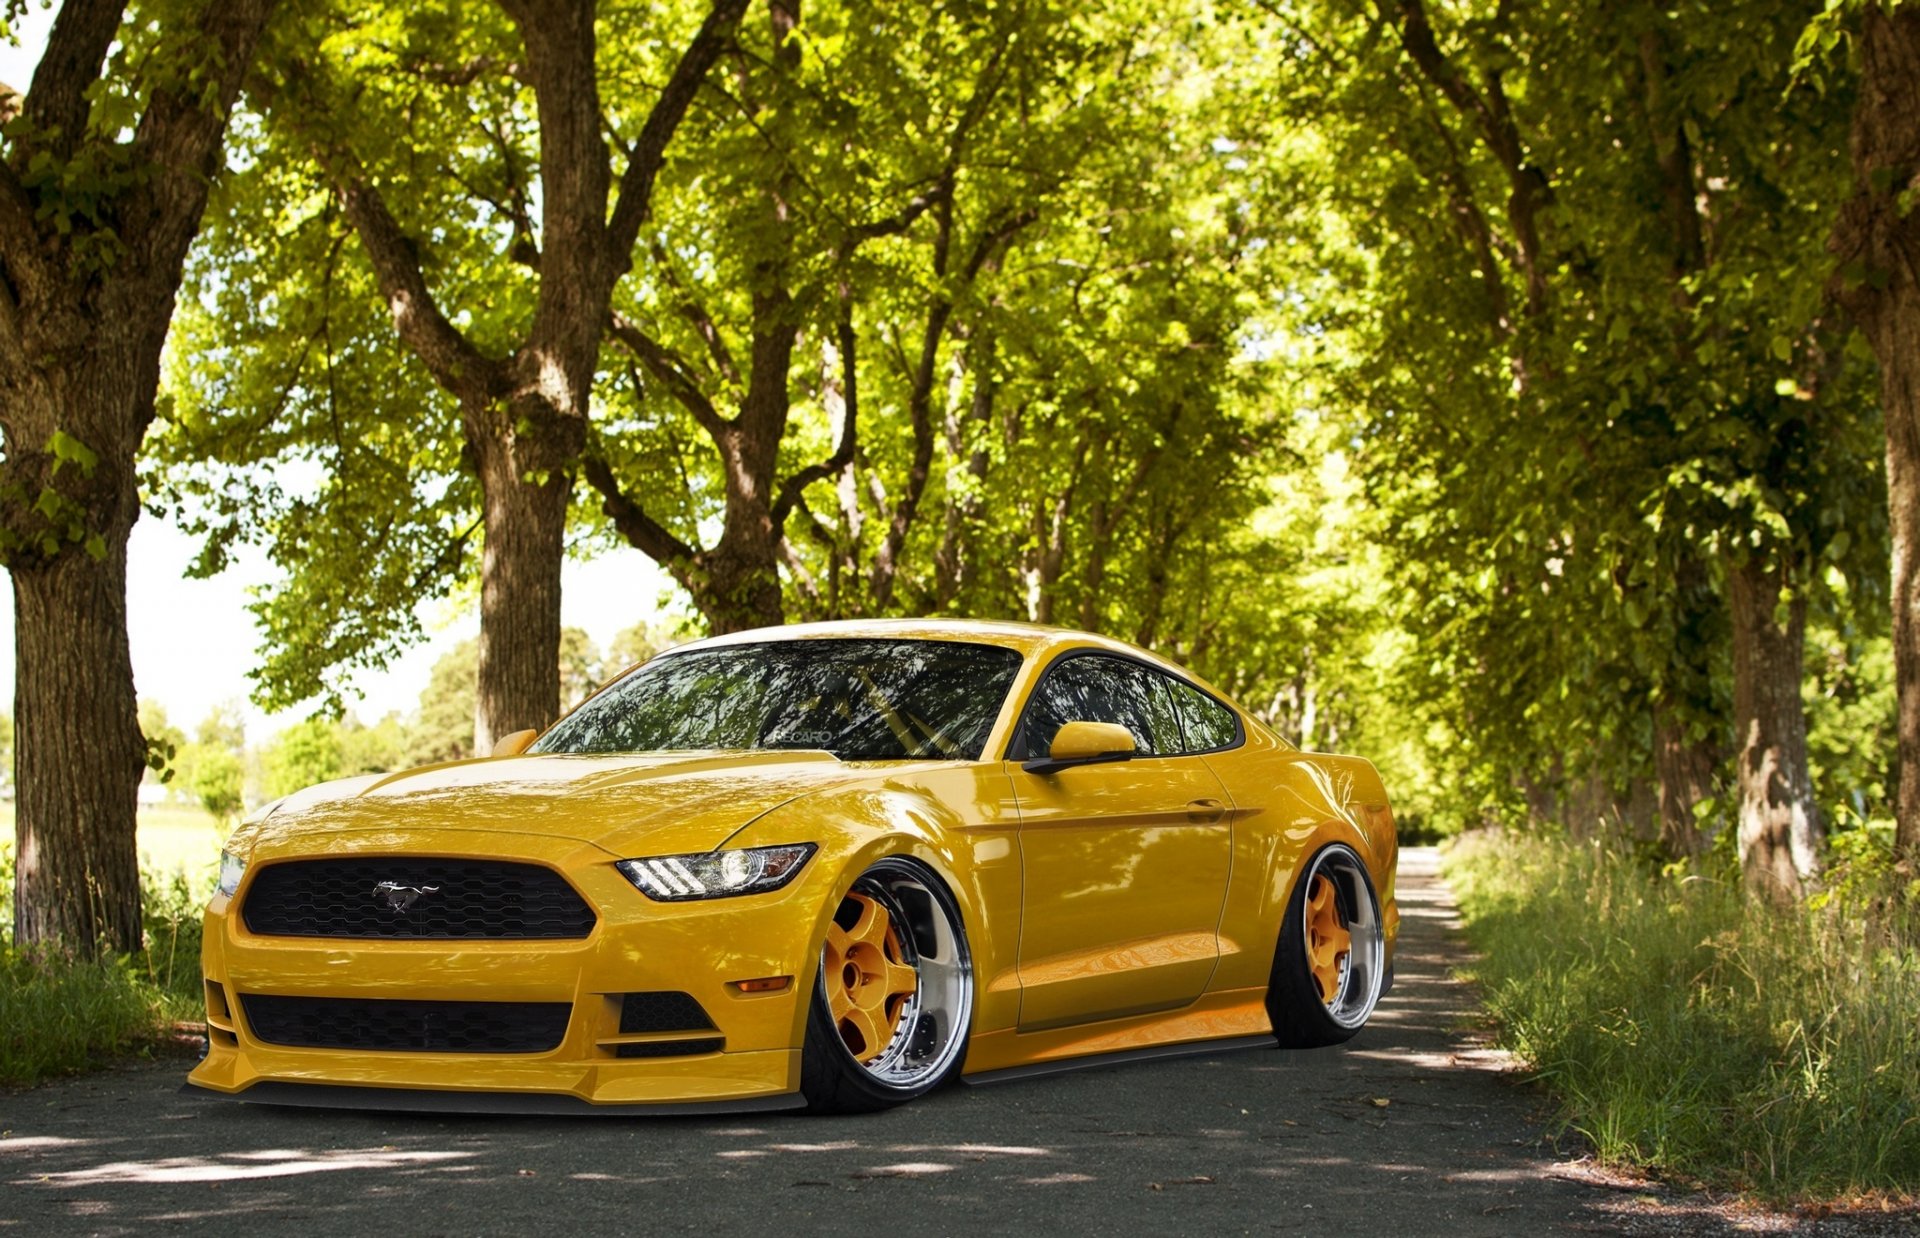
{"x": 1330, "y": 963}
{"x": 893, "y": 1002}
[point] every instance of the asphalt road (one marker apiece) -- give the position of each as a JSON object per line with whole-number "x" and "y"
{"x": 1412, "y": 1128}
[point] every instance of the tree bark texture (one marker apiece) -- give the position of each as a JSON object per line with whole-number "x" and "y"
{"x": 524, "y": 492}
{"x": 1779, "y": 825}
{"x": 80, "y": 344}
{"x": 79, "y": 754}
{"x": 1684, "y": 770}
{"x": 1877, "y": 241}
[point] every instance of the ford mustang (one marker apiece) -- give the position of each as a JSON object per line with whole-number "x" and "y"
{"x": 828, "y": 866}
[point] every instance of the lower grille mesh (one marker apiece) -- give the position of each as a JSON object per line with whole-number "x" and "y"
{"x": 663, "y": 1011}
{"x": 407, "y": 1026}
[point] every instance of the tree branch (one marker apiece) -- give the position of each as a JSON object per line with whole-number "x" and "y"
{"x": 649, "y": 150}
{"x": 1673, "y": 155}
{"x": 669, "y": 371}
{"x": 180, "y": 135}
{"x": 920, "y": 398}
{"x": 16, "y": 224}
{"x": 642, "y": 531}
{"x": 83, "y": 31}
{"x": 792, "y": 489}
{"x": 902, "y": 219}
{"x": 12, "y": 354}
{"x": 990, "y": 241}
{"x": 1489, "y": 111}
{"x": 696, "y": 314}
{"x": 447, "y": 353}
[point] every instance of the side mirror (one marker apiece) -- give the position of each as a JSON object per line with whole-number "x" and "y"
{"x": 1085, "y": 743}
{"x": 514, "y": 743}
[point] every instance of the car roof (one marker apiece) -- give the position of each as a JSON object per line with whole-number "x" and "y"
{"x": 1027, "y": 638}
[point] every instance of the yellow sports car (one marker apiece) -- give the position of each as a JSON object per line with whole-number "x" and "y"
{"x": 829, "y": 866}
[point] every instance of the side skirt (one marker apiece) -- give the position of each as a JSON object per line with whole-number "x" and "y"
{"x": 411, "y": 1100}
{"x": 1197, "y": 1048}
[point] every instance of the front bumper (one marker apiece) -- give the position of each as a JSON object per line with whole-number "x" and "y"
{"x": 704, "y": 949}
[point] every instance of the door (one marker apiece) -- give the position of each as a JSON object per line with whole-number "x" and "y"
{"x": 1124, "y": 864}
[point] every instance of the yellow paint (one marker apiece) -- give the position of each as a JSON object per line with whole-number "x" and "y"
{"x": 1110, "y": 906}
{"x": 1080, "y": 741}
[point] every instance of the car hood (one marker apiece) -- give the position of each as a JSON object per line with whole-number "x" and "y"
{"x": 650, "y": 804}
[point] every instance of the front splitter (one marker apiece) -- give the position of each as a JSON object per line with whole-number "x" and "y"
{"x": 539, "y": 1104}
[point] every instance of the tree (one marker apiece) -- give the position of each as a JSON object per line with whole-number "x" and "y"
{"x": 1876, "y": 239}
{"x": 303, "y": 755}
{"x": 103, "y": 177}
{"x": 821, "y": 309}
{"x": 642, "y": 641}
{"x": 219, "y": 781}
{"x": 580, "y": 667}
{"x": 495, "y": 256}
{"x": 1614, "y": 500}
{"x": 443, "y": 729}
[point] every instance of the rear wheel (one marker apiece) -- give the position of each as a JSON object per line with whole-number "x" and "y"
{"x": 893, "y": 1002}
{"x": 1330, "y": 963}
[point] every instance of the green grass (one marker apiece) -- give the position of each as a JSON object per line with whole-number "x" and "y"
{"x": 1686, "y": 1031}
{"x": 60, "y": 1015}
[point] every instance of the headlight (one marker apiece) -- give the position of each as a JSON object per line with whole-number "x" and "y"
{"x": 716, "y": 874}
{"x": 232, "y": 868}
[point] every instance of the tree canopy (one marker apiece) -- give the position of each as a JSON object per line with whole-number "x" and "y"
{"x": 1515, "y": 394}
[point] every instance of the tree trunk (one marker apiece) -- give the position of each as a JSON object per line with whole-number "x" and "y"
{"x": 741, "y": 587}
{"x": 1877, "y": 238}
{"x": 1684, "y": 769}
{"x": 525, "y": 512}
{"x": 1780, "y": 834}
{"x": 79, "y": 755}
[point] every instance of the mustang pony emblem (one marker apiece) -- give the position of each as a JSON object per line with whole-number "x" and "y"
{"x": 398, "y": 898}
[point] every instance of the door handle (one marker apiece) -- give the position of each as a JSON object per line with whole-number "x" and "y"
{"x": 1202, "y": 811}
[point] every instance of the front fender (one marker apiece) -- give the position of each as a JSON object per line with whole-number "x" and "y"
{"x": 959, "y": 822}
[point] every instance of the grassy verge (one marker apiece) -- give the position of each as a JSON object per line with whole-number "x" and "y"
{"x": 1685, "y": 1031}
{"x": 59, "y": 1015}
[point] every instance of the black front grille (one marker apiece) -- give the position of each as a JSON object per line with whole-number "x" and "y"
{"x": 392, "y": 896}
{"x": 407, "y": 1026}
{"x": 662, "y": 1011}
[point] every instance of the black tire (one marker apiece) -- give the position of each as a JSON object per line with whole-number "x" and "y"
{"x": 926, "y": 1041}
{"x": 1303, "y": 1015}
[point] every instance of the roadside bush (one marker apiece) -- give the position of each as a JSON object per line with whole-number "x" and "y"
{"x": 1686, "y": 1030}
{"x": 60, "y": 1014}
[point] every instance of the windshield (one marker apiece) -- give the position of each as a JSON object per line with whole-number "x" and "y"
{"x": 861, "y": 700}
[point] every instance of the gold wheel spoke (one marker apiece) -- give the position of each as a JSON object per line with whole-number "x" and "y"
{"x": 867, "y": 1028}
{"x": 1328, "y": 940}
{"x": 900, "y": 980}
{"x": 871, "y": 927}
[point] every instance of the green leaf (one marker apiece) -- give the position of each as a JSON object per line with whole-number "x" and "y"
{"x": 67, "y": 449}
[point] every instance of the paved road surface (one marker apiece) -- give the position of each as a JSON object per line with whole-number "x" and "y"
{"x": 1409, "y": 1129}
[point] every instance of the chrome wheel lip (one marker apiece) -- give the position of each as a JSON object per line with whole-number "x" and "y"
{"x": 943, "y": 967}
{"x": 1365, "y": 968}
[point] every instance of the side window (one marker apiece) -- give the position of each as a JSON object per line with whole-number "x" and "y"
{"x": 1100, "y": 689}
{"x": 1208, "y": 724}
